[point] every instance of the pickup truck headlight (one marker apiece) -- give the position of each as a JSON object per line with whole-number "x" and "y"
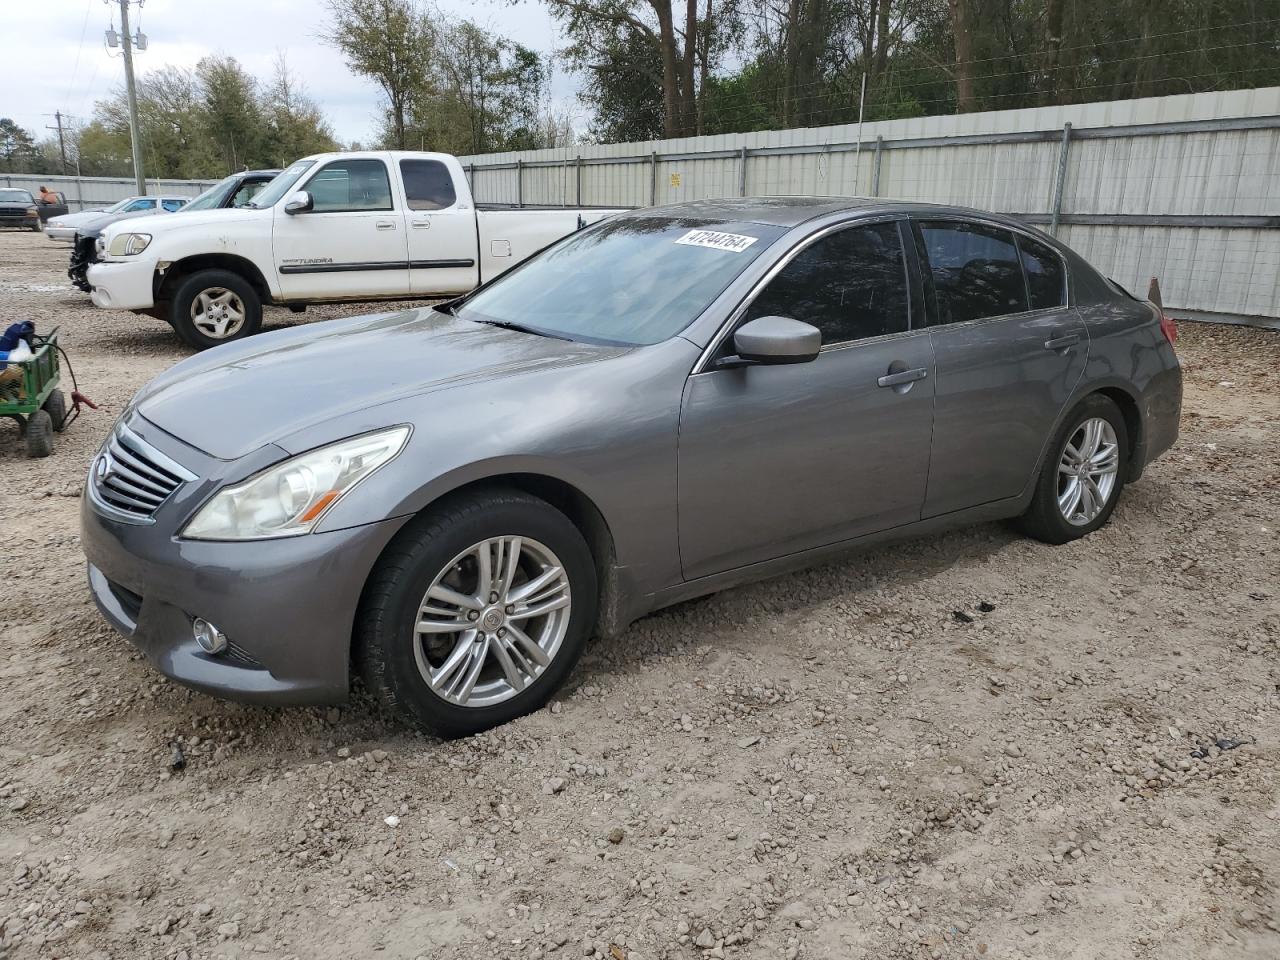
{"x": 33, "y": 210}
{"x": 128, "y": 244}
{"x": 289, "y": 499}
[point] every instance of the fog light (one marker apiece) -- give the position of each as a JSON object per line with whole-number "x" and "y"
{"x": 210, "y": 638}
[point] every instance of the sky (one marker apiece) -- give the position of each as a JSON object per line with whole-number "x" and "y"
{"x": 63, "y": 64}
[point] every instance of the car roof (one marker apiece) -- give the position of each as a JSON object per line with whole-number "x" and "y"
{"x": 793, "y": 211}
{"x": 258, "y": 173}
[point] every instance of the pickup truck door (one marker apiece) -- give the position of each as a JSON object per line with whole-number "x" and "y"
{"x": 351, "y": 243}
{"x": 442, "y": 230}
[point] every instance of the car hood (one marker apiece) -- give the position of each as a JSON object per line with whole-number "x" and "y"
{"x": 234, "y": 399}
{"x": 160, "y": 224}
{"x": 86, "y": 217}
{"x": 15, "y": 205}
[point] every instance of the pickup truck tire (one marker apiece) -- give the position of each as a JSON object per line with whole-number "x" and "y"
{"x": 396, "y": 646}
{"x": 215, "y": 306}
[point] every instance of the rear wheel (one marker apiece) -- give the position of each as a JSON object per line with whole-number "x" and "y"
{"x": 477, "y": 612}
{"x": 1083, "y": 475}
{"x": 56, "y": 406}
{"x": 213, "y": 307}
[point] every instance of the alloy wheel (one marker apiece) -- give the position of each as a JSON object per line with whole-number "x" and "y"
{"x": 492, "y": 621}
{"x": 217, "y": 313}
{"x": 1087, "y": 471}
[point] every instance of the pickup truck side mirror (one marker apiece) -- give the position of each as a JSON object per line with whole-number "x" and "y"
{"x": 300, "y": 202}
{"x": 774, "y": 340}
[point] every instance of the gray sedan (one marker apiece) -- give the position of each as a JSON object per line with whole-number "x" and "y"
{"x": 451, "y": 500}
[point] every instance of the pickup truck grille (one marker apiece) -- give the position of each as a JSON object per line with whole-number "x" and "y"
{"x": 132, "y": 477}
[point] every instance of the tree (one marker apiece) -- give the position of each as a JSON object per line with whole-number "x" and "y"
{"x": 18, "y": 151}
{"x": 677, "y": 37}
{"x": 295, "y": 127}
{"x": 389, "y": 41}
{"x": 230, "y": 112}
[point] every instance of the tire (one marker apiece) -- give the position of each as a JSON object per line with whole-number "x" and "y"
{"x": 56, "y": 406}
{"x": 39, "y": 435}
{"x": 205, "y": 294}
{"x": 1046, "y": 518}
{"x": 392, "y": 654}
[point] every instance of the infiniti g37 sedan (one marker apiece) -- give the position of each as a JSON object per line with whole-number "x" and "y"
{"x": 451, "y": 500}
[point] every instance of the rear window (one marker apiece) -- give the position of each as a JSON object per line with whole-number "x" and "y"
{"x": 1046, "y": 276}
{"x": 976, "y": 270}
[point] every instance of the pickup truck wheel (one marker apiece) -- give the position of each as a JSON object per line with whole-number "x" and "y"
{"x": 476, "y": 613}
{"x": 213, "y": 307}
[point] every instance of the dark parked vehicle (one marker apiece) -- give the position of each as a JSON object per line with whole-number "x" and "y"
{"x": 233, "y": 191}
{"x": 18, "y": 208}
{"x": 659, "y": 406}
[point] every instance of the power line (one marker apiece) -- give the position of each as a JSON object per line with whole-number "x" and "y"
{"x": 79, "y": 50}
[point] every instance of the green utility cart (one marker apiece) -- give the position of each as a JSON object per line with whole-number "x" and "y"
{"x": 33, "y": 397}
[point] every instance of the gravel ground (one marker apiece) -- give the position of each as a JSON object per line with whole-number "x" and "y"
{"x": 972, "y": 745}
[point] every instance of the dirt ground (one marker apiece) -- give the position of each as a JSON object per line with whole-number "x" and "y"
{"x": 969, "y": 746}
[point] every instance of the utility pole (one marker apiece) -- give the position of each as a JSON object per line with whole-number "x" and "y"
{"x": 62, "y": 144}
{"x": 133, "y": 98}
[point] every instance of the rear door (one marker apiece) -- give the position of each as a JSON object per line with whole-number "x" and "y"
{"x": 442, "y": 230}
{"x": 1008, "y": 351}
{"x": 351, "y": 243}
{"x": 778, "y": 459}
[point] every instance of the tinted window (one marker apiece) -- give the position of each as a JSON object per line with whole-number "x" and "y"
{"x": 850, "y": 285}
{"x": 351, "y": 185}
{"x": 628, "y": 280}
{"x": 1046, "y": 279}
{"x": 427, "y": 184}
{"x": 975, "y": 271}
{"x": 171, "y": 205}
{"x": 140, "y": 205}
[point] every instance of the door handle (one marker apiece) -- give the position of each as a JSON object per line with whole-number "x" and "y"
{"x": 904, "y": 376}
{"x": 385, "y": 224}
{"x": 1062, "y": 342}
{"x": 422, "y": 224}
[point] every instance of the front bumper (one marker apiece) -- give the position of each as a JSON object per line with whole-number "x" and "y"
{"x": 287, "y": 606}
{"x": 59, "y": 233}
{"x": 19, "y": 220}
{"x": 123, "y": 284}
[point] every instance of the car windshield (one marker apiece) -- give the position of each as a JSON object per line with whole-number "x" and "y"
{"x": 117, "y": 206}
{"x": 15, "y": 196}
{"x": 630, "y": 281}
{"x": 281, "y": 185}
{"x": 215, "y": 196}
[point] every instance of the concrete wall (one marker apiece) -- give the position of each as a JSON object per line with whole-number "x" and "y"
{"x": 1184, "y": 188}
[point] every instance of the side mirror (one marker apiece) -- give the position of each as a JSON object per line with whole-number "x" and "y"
{"x": 773, "y": 340}
{"x": 300, "y": 202}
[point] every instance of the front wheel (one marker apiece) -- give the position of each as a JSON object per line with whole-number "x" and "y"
{"x": 1083, "y": 475}
{"x": 477, "y": 612}
{"x": 213, "y": 307}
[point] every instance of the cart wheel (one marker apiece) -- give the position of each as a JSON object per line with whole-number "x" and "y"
{"x": 56, "y": 406}
{"x": 39, "y": 434}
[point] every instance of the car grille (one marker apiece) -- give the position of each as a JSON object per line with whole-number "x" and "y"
{"x": 132, "y": 477}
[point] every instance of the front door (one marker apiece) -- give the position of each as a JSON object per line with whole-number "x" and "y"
{"x": 1009, "y": 353}
{"x": 442, "y": 231}
{"x": 351, "y": 243}
{"x": 778, "y": 459}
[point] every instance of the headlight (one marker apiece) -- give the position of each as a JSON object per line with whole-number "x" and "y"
{"x": 55, "y": 222}
{"x": 33, "y": 210}
{"x": 128, "y": 244}
{"x": 289, "y": 499}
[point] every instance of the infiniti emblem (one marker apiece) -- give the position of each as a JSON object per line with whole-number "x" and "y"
{"x": 103, "y": 468}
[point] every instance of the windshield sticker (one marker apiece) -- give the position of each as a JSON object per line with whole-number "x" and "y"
{"x": 734, "y": 242}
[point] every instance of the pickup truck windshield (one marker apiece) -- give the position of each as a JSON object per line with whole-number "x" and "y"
{"x": 15, "y": 196}
{"x": 281, "y": 185}
{"x": 631, "y": 281}
{"x": 215, "y": 196}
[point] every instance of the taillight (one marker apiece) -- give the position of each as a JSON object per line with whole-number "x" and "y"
{"x": 1168, "y": 327}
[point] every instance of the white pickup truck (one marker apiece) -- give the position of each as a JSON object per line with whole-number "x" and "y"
{"x": 332, "y": 227}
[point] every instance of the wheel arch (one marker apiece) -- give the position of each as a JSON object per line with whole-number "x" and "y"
{"x": 581, "y": 511}
{"x": 167, "y": 282}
